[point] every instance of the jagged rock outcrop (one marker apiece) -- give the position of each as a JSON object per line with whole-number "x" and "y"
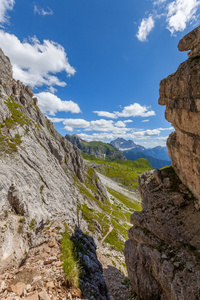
{"x": 180, "y": 92}
{"x": 162, "y": 253}
{"x": 42, "y": 176}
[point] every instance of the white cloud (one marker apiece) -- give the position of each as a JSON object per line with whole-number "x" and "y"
{"x": 108, "y": 136}
{"x": 120, "y": 124}
{"x": 128, "y": 121}
{"x": 70, "y": 124}
{"x": 144, "y": 121}
{"x": 94, "y": 125}
{"x": 105, "y": 114}
{"x": 145, "y": 28}
{"x": 162, "y": 138}
{"x": 135, "y": 110}
{"x": 56, "y": 120}
{"x": 52, "y": 90}
{"x": 51, "y": 104}
{"x": 34, "y": 63}
{"x": 101, "y": 125}
{"x": 106, "y": 126}
{"x": 5, "y": 5}
{"x": 181, "y": 12}
{"x": 168, "y": 128}
{"x": 159, "y": 2}
{"x": 178, "y": 14}
{"x": 42, "y": 11}
{"x": 132, "y": 110}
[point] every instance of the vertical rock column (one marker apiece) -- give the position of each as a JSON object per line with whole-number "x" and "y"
{"x": 180, "y": 92}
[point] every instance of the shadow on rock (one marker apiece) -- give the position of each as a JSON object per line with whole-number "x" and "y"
{"x": 118, "y": 284}
{"x": 92, "y": 283}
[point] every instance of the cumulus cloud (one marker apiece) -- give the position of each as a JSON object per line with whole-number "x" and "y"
{"x": 42, "y": 11}
{"x": 55, "y": 120}
{"x": 168, "y": 128}
{"x": 107, "y": 130}
{"x": 51, "y": 104}
{"x": 120, "y": 124}
{"x": 35, "y": 63}
{"x": 145, "y": 28}
{"x": 101, "y": 125}
{"x": 128, "y": 121}
{"x": 132, "y": 110}
{"x": 70, "y": 124}
{"x": 144, "y": 121}
{"x": 106, "y": 114}
{"x": 180, "y": 13}
{"x": 136, "y": 110}
{"x": 106, "y": 126}
{"x": 106, "y": 137}
{"x": 5, "y": 5}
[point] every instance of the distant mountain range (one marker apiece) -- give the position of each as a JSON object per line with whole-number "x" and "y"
{"x": 121, "y": 149}
{"x": 95, "y": 148}
{"x": 123, "y": 145}
{"x": 157, "y": 156}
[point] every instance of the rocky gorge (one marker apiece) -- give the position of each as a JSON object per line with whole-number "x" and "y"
{"x": 51, "y": 199}
{"x": 61, "y": 231}
{"x": 162, "y": 253}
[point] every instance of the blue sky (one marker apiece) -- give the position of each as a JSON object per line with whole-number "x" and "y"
{"x": 95, "y": 65}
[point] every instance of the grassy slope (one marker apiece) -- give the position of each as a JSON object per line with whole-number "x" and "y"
{"x": 124, "y": 172}
{"x": 119, "y": 211}
{"x": 155, "y": 162}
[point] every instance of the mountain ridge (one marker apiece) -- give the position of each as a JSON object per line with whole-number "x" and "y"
{"x": 122, "y": 144}
{"x": 157, "y": 156}
{"x": 95, "y": 148}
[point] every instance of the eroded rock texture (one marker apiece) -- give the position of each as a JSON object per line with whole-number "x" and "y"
{"x": 163, "y": 251}
{"x": 180, "y": 92}
{"x": 43, "y": 178}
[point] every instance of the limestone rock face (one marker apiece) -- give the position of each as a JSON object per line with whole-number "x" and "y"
{"x": 40, "y": 171}
{"x": 162, "y": 253}
{"x": 191, "y": 41}
{"x": 180, "y": 92}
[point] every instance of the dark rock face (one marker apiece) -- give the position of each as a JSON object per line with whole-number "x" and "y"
{"x": 92, "y": 282}
{"x": 162, "y": 253}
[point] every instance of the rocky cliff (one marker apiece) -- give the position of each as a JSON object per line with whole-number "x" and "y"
{"x": 162, "y": 253}
{"x": 43, "y": 180}
{"x": 180, "y": 92}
